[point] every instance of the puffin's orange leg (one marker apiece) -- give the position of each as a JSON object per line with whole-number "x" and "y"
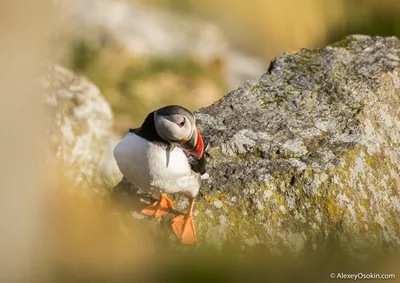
{"x": 183, "y": 226}
{"x": 160, "y": 207}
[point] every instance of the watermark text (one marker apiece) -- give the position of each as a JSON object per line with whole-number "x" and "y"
{"x": 361, "y": 276}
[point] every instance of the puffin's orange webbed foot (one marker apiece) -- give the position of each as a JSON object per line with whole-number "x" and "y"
{"x": 160, "y": 207}
{"x": 183, "y": 227}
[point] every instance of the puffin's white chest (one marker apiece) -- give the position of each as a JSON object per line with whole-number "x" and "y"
{"x": 144, "y": 164}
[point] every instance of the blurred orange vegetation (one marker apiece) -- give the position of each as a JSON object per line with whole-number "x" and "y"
{"x": 90, "y": 239}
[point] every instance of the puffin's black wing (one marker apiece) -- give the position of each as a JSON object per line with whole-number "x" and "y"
{"x": 199, "y": 165}
{"x": 135, "y": 131}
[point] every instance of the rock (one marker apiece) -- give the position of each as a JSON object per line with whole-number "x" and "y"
{"x": 79, "y": 123}
{"x": 146, "y": 31}
{"x": 309, "y": 151}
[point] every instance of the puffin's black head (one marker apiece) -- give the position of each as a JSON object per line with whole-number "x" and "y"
{"x": 177, "y": 125}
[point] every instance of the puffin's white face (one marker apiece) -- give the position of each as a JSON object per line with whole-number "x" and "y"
{"x": 176, "y": 125}
{"x": 173, "y": 128}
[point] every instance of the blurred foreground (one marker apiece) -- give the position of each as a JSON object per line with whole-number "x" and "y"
{"x": 93, "y": 240}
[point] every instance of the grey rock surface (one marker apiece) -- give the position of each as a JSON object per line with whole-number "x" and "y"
{"x": 309, "y": 151}
{"x": 79, "y": 123}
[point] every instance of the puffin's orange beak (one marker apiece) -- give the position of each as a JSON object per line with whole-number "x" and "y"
{"x": 194, "y": 145}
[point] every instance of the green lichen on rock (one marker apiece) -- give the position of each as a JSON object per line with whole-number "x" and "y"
{"x": 308, "y": 151}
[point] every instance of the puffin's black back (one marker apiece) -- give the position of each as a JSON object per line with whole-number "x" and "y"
{"x": 148, "y": 130}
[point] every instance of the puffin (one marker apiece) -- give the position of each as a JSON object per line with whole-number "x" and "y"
{"x": 165, "y": 156}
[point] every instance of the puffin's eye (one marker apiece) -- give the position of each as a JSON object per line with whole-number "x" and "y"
{"x": 181, "y": 124}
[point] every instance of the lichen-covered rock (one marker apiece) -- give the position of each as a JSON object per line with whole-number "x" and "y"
{"x": 79, "y": 123}
{"x": 309, "y": 151}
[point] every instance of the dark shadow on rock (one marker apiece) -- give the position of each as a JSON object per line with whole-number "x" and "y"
{"x": 127, "y": 197}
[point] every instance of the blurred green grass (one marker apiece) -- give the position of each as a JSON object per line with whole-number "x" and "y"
{"x": 135, "y": 86}
{"x": 370, "y": 17}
